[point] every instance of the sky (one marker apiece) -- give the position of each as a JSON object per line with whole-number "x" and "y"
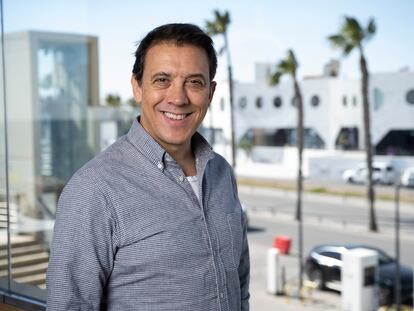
{"x": 260, "y": 31}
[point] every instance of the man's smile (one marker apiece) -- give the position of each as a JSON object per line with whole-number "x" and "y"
{"x": 175, "y": 116}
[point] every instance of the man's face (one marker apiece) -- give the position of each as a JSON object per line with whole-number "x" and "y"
{"x": 175, "y": 93}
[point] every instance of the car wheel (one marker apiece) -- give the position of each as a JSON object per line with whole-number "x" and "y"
{"x": 316, "y": 276}
{"x": 384, "y": 296}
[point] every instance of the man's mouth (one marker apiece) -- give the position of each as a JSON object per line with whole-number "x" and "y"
{"x": 174, "y": 116}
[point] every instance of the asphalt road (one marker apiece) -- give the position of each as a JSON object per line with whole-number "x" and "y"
{"x": 327, "y": 210}
{"x": 264, "y": 226}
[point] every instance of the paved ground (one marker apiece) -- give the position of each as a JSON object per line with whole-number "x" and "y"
{"x": 265, "y": 225}
{"x": 262, "y": 301}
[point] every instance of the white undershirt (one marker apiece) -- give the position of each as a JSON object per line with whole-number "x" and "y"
{"x": 193, "y": 180}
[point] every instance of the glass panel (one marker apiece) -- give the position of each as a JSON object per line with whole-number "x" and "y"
{"x": 56, "y": 123}
{"x": 3, "y": 179}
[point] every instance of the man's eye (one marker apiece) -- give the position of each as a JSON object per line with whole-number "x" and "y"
{"x": 160, "y": 80}
{"x": 196, "y": 82}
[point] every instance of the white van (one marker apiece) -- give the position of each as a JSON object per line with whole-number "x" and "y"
{"x": 407, "y": 177}
{"x": 382, "y": 173}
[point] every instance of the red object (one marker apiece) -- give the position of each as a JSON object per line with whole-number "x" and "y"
{"x": 282, "y": 243}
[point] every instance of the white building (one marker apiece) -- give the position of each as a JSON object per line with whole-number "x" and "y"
{"x": 333, "y": 119}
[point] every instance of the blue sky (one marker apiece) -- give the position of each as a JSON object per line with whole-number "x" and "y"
{"x": 260, "y": 31}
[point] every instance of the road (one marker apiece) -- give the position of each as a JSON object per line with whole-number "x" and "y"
{"x": 265, "y": 224}
{"x": 324, "y": 209}
{"x": 264, "y": 228}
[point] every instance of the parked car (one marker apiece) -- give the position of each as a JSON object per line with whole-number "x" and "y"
{"x": 324, "y": 262}
{"x": 407, "y": 177}
{"x": 383, "y": 173}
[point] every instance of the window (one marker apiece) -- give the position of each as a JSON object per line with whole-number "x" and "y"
{"x": 222, "y": 104}
{"x": 332, "y": 255}
{"x": 344, "y": 101}
{"x": 410, "y": 97}
{"x": 277, "y": 102}
{"x": 315, "y": 100}
{"x": 259, "y": 102}
{"x": 378, "y": 98}
{"x": 354, "y": 100}
{"x": 242, "y": 102}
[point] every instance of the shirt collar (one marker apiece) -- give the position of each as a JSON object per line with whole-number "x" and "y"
{"x": 139, "y": 137}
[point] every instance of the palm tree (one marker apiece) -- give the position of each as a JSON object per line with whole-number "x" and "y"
{"x": 113, "y": 100}
{"x": 352, "y": 36}
{"x": 289, "y": 66}
{"x": 219, "y": 26}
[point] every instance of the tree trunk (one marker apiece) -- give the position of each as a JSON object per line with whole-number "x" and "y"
{"x": 230, "y": 77}
{"x": 368, "y": 147}
{"x": 300, "y": 143}
{"x": 233, "y": 138}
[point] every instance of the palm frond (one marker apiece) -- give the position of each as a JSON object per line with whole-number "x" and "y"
{"x": 348, "y": 49}
{"x": 337, "y": 41}
{"x": 371, "y": 29}
{"x": 220, "y": 23}
{"x": 211, "y": 28}
{"x": 274, "y": 79}
{"x": 352, "y": 30}
{"x": 227, "y": 18}
{"x": 292, "y": 59}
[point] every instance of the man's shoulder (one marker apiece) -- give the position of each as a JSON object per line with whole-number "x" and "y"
{"x": 218, "y": 165}
{"x": 103, "y": 164}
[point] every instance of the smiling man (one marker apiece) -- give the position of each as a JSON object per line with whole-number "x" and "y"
{"x": 154, "y": 222}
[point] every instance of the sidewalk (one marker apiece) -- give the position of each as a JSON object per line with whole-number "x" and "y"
{"x": 262, "y": 301}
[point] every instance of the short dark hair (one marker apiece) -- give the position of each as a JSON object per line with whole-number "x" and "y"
{"x": 179, "y": 34}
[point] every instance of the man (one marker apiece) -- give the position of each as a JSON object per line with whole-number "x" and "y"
{"x": 154, "y": 222}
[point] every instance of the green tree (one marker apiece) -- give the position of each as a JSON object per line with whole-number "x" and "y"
{"x": 219, "y": 26}
{"x": 113, "y": 100}
{"x": 289, "y": 66}
{"x": 353, "y": 36}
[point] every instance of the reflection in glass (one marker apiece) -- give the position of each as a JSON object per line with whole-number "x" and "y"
{"x": 4, "y": 219}
{"x": 52, "y": 136}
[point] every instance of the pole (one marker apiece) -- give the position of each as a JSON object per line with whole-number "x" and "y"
{"x": 397, "y": 293}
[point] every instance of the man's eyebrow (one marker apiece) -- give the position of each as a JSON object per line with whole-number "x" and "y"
{"x": 196, "y": 75}
{"x": 161, "y": 73}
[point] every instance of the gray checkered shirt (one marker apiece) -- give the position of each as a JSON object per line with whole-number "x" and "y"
{"x": 130, "y": 233}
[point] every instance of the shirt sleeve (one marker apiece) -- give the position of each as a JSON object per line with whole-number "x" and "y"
{"x": 244, "y": 265}
{"x": 244, "y": 270}
{"x": 82, "y": 250}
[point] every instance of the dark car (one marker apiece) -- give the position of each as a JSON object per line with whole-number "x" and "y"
{"x": 324, "y": 262}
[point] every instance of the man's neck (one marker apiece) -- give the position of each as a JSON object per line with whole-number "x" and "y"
{"x": 184, "y": 156}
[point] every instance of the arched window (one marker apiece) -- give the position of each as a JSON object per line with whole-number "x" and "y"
{"x": 259, "y": 102}
{"x": 410, "y": 97}
{"x": 344, "y": 101}
{"x": 378, "y": 98}
{"x": 315, "y": 100}
{"x": 243, "y": 102}
{"x": 277, "y": 102}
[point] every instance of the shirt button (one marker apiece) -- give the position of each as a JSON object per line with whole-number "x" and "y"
{"x": 160, "y": 165}
{"x": 181, "y": 178}
{"x": 221, "y": 295}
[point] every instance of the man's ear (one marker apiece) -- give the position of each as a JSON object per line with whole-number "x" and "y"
{"x": 212, "y": 90}
{"x": 136, "y": 89}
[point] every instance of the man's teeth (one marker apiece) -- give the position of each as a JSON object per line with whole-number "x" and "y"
{"x": 175, "y": 116}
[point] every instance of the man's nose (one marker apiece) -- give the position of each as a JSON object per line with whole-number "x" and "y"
{"x": 177, "y": 94}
